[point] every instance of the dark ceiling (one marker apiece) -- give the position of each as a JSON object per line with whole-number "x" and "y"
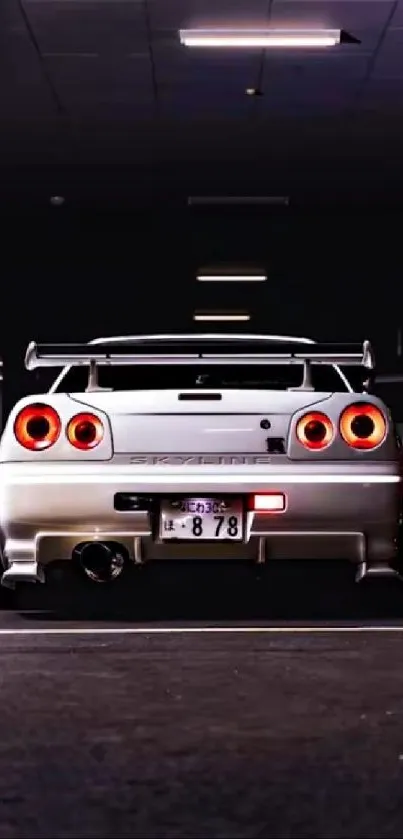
{"x": 99, "y": 101}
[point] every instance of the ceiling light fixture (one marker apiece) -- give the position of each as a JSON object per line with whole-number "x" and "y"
{"x": 238, "y": 200}
{"x": 208, "y": 316}
{"x": 254, "y": 91}
{"x": 57, "y": 200}
{"x": 260, "y": 38}
{"x": 231, "y": 278}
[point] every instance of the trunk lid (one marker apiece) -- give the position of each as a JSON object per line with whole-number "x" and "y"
{"x": 175, "y": 422}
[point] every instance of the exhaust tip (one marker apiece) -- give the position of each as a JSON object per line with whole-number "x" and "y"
{"x": 101, "y": 562}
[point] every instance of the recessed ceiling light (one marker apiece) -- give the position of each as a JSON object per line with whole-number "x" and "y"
{"x": 260, "y": 38}
{"x": 211, "y": 316}
{"x": 57, "y": 200}
{"x": 253, "y": 91}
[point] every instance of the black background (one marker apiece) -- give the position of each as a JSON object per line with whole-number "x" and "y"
{"x": 77, "y": 272}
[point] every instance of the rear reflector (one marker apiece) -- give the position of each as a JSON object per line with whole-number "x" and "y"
{"x": 272, "y": 502}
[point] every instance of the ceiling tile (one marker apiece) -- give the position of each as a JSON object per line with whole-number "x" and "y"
{"x": 309, "y": 72}
{"x": 189, "y": 14}
{"x": 198, "y": 101}
{"x": 88, "y": 27}
{"x": 107, "y": 76}
{"x": 24, "y": 103}
{"x": 115, "y": 87}
{"x": 362, "y": 19}
{"x": 327, "y": 100}
{"x": 398, "y": 15}
{"x": 27, "y": 141}
{"x": 23, "y": 85}
{"x": 103, "y": 139}
{"x": 312, "y": 85}
{"x": 176, "y": 64}
{"x": 389, "y": 60}
{"x": 383, "y": 95}
{"x": 119, "y": 110}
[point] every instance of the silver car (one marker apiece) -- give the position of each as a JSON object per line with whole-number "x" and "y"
{"x": 161, "y": 447}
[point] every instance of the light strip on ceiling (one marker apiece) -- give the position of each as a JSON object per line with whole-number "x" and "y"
{"x": 238, "y": 200}
{"x": 260, "y": 38}
{"x": 207, "y": 316}
{"x": 231, "y": 278}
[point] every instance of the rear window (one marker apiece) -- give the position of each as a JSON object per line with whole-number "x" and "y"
{"x": 280, "y": 377}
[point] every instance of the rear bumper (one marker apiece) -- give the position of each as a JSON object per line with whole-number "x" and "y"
{"x": 341, "y": 511}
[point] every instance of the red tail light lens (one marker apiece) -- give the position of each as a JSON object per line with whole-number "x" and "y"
{"x": 315, "y": 430}
{"x": 37, "y": 427}
{"x": 363, "y": 426}
{"x": 85, "y": 431}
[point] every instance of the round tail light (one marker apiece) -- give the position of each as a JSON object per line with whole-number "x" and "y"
{"x": 37, "y": 427}
{"x": 315, "y": 430}
{"x": 363, "y": 426}
{"x": 85, "y": 431}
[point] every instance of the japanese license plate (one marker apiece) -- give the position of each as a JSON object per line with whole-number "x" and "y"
{"x": 210, "y": 519}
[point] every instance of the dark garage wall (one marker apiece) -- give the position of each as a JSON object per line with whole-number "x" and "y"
{"x": 71, "y": 275}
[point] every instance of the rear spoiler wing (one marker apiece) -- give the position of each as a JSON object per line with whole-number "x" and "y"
{"x": 200, "y": 350}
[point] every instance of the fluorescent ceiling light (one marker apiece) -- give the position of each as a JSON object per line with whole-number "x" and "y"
{"x": 231, "y": 278}
{"x": 260, "y": 38}
{"x": 237, "y": 200}
{"x": 217, "y": 317}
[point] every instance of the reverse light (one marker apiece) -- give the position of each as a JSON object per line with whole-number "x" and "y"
{"x": 85, "y": 431}
{"x": 260, "y": 38}
{"x": 271, "y": 502}
{"x": 363, "y": 426}
{"x": 315, "y": 430}
{"x": 37, "y": 427}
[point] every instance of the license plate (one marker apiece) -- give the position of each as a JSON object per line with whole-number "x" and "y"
{"x": 202, "y": 519}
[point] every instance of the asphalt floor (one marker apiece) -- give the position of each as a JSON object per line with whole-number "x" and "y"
{"x": 201, "y": 706}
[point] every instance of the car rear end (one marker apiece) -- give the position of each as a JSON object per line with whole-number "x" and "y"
{"x": 113, "y": 477}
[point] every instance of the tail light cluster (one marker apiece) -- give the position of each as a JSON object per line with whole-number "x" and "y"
{"x": 38, "y": 427}
{"x": 315, "y": 430}
{"x": 85, "y": 431}
{"x": 362, "y": 426}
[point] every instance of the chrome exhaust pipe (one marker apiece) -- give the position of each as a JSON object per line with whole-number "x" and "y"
{"x": 101, "y": 562}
